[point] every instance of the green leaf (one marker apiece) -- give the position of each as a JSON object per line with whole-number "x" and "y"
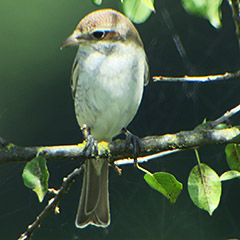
{"x": 229, "y": 175}
{"x": 164, "y": 183}
{"x": 149, "y": 4}
{"x": 232, "y": 152}
{"x": 97, "y": 2}
{"x": 208, "y": 124}
{"x": 35, "y": 176}
{"x": 204, "y": 187}
{"x": 208, "y": 9}
{"x": 221, "y": 126}
{"x": 138, "y": 10}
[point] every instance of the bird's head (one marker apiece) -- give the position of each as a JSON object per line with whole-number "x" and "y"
{"x": 104, "y": 26}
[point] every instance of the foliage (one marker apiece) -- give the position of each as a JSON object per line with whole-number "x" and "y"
{"x": 233, "y": 156}
{"x": 208, "y": 9}
{"x": 35, "y": 176}
{"x": 140, "y": 10}
{"x": 204, "y": 187}
{"x": 164, "y": 183}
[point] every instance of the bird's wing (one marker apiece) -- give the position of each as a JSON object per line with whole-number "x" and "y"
{"x": 146, "y": 72}
{"x": 74, "y": 76}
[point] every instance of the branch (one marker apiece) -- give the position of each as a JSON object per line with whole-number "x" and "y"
{"x": 146, "y": 158}
{"x": 183, "y": 140}
{"x": 226, "y": 116}
{"x": 52, "y": 204}
{"x": 167, "y": 144}
{"x": 236, "y": 11}
{"x": 210, "y": 125}
{"x": 202, "y": 79}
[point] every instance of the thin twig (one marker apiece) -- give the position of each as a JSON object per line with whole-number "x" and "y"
{"x": 226, "y": 116}
{"x": 52, "y": 204}
{"x": 201, "y": 79}
{"x": 146, "y": 158}
{"x": 236, "y": 16}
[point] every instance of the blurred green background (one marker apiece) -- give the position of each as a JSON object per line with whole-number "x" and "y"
{"x": 36, "y": 108}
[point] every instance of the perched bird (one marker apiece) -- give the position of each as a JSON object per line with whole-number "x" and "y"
{"x": 108, "y": 77}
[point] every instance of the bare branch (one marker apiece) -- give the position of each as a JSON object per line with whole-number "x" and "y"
{"x": 182, "y": 140}
{"x": 201, "y": 79}
{"x": 226, "y": 116}
{"x": 52, "y": 204}
{"x": 164, "y": 145}
{"x": 146, "y": 158}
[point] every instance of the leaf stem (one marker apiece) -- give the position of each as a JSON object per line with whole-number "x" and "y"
{"x": 143, "y": 169}
{"x": 197, "y": 156}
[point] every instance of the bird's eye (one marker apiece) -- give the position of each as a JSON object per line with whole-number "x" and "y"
{"x": 99, "y": 34}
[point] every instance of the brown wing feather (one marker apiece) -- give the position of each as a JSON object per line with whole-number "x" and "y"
{"x": 146, "y": 72}
{"x": 74, "y": 77}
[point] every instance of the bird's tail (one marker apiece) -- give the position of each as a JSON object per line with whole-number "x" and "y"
{"x": 94, "y": 201}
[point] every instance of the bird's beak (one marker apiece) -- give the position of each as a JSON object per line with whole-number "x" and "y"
{"x": 72, "y": 40}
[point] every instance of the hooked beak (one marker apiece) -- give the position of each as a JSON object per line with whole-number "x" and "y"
{"x": 72, "y": 40}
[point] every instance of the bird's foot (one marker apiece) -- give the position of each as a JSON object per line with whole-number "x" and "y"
{"x": 136, "y": 144}
{"x": 91, "y": 147}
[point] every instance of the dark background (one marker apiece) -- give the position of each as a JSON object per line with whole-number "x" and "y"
{"x": 36, "y": 108}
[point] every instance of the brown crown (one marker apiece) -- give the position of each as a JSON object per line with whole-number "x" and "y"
{"x": 109, "y": 19}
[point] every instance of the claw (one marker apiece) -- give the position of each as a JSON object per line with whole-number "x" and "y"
{"x": 136, "y": 143}
{"x": 3, "y": 142}
{"x": 91, "y": 147}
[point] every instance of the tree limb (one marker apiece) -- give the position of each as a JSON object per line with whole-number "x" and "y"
{"x": 181, "y": 140}
{"x": 206, "y": 135}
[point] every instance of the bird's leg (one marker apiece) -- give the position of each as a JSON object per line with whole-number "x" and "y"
{"x": 135, "y": 141}
{"x": 91, "y": 147}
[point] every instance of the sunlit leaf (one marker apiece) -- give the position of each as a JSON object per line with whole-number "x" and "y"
{"x": 207, "y": 124}
{"x": 229, "y": 175}
{"x": 209, "y": 9}
{"x": 164, "y": 183}
{"x": 149, "y": 4}
{"x": 221, "y": 126}
{"x": 232, "y": 152}
{"x": 138, "y": 10}
{"x": 35, "y": 176}
{"x": 97, "y": 2}
{"x": 204, "y": 187}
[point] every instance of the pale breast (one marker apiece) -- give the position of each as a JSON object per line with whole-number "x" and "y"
{"x": 109, "y": 90}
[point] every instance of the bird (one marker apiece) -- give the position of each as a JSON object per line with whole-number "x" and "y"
{"x": 107, "y": 81}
